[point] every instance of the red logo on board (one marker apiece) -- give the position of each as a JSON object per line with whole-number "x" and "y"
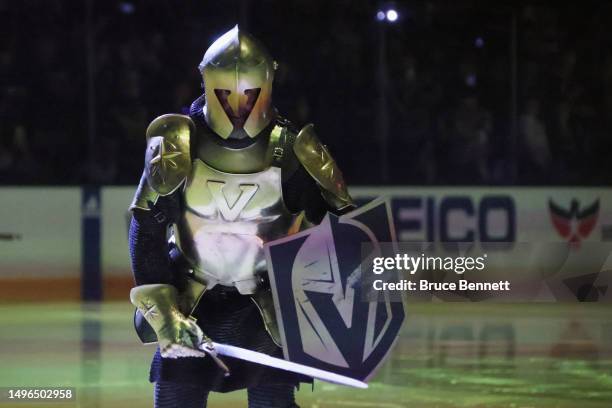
{"x": 574, "y": 224}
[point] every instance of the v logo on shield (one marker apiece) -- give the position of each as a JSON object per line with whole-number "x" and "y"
{"x": 231, "y": 212}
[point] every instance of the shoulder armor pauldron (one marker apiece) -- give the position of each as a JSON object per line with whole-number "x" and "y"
{"x": 317, "y": 161}
{"x": 167, "y": 158}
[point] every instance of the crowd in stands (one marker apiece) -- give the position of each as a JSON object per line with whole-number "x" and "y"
{"x": 453, "y": 92}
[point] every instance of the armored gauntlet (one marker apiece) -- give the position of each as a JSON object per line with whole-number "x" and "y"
{"x": 177, "y": 335}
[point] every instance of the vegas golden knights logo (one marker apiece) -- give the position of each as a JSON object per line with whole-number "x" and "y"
{"x": 325, "y": 319}
{"x": 230, "y": 212}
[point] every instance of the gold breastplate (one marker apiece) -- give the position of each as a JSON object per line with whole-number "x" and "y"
{"x": 226, "y": 220}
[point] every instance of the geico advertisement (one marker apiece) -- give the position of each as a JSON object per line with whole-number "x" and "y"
{"x": 498, "y": 215}
{"x": 41, "y": 229}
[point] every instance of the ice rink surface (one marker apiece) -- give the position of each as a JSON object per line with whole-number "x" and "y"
{"x": 448, "y": 355}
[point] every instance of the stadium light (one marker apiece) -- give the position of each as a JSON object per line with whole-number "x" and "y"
{"x": 392, "y": 15}
{"x": 389, "y": 15}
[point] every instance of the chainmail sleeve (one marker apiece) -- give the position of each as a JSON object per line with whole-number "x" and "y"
{"x": 148, "y": 241}
{"x": 301, "y": 193}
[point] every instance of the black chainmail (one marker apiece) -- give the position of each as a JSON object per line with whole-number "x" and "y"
{"x": 148, "y": 241}
{"x": 172, "y": 395}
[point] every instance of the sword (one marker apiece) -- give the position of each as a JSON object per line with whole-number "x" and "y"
{"x": 213, "y": 349}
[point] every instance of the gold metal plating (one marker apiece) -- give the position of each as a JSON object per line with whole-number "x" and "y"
{"x": 317, "y": 161}
{"x": 191, "y": 295}
{"x": 264, "y": 302}
{"x": 251, "y": 159}
{"x": 237, "y": 63}
{"x": 168, "y": 159}
{"x": 177, "y": 335}
{"x": 144, "y": 195}
{"x": 226, "y": 221}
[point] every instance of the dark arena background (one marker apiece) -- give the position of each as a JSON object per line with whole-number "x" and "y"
{"x": 434, "y": 104}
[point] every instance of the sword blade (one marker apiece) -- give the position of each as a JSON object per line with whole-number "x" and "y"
{"x": 264, "y": 359}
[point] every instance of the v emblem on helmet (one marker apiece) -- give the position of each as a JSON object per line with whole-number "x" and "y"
{"x": 231, "y": 212}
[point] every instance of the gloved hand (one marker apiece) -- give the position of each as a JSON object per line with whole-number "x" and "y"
{"x": 177, "y": 335}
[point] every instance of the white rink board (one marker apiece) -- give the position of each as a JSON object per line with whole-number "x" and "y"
{"x": 49, "y": 221}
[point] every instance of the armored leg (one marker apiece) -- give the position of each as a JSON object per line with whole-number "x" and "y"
{"x": 177, "y": 395}
{"x": 272, "y": 396}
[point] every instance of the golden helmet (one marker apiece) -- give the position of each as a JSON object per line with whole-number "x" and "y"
{"x": 238, "y": 73}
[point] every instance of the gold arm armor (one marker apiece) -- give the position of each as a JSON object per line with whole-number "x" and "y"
{"x": 167, "y": 158}
{"x": 177, "y": 335}
{"x": 317, "y": 161}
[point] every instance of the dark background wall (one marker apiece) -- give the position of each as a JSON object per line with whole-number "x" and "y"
{"x": 477, "y": 92}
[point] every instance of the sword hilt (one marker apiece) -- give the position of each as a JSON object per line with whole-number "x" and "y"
{"x": 208, "y": 347}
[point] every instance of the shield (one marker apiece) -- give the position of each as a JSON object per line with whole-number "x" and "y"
{"x": 324, "y": 320}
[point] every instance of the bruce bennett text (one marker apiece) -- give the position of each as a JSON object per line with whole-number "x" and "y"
{"x": 425, "y": 285}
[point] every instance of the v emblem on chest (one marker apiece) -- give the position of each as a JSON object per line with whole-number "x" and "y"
{"x": 230, "y": 212}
